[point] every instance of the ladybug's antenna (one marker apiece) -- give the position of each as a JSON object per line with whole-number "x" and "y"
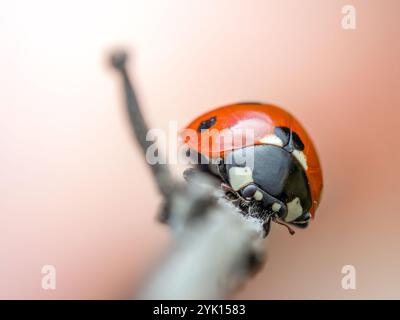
{"x": 138, "y": 124}
{"x": 291, "y": 231}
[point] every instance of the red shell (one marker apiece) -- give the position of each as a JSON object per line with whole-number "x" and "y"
{"x": 262, "y": 118}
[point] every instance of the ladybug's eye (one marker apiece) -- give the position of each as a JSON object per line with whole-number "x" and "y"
{"x": 283, "y": 133}
{"x": 295, "y": 142}
{"x": 249, "y": 191}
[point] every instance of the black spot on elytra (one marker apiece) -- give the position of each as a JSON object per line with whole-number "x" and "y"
{"x": 207, "y": 124}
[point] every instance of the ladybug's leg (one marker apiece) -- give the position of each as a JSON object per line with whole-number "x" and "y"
{"x": 230, "y": 194}
{"x": 267, "y": 226}
{"x": 227, "y": 188}
{"x": 235, "y": 197}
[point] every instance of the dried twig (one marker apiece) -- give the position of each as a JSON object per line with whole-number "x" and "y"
{"x": 215, "y": 247}
{"x": 138, "y": 124}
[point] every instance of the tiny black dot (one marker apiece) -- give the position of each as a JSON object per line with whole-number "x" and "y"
{"x": 207, "y": 124}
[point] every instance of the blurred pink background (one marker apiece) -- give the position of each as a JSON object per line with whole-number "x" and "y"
{"x": 75, "y": 192}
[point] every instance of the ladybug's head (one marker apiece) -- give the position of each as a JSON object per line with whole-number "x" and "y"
{"x": 269, "y": 181}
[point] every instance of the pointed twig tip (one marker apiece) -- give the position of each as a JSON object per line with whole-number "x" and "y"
{"x": 118, "y": 59}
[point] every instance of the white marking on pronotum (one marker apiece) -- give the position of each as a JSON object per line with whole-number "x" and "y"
{"x": 272, "y": 139}
{"x": 301, "y": 157}
{"x": 240, "y": 177}
{"x": 294, "y": 209}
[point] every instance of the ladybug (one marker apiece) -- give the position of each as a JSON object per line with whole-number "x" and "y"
{"x": 283, "y": 184}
